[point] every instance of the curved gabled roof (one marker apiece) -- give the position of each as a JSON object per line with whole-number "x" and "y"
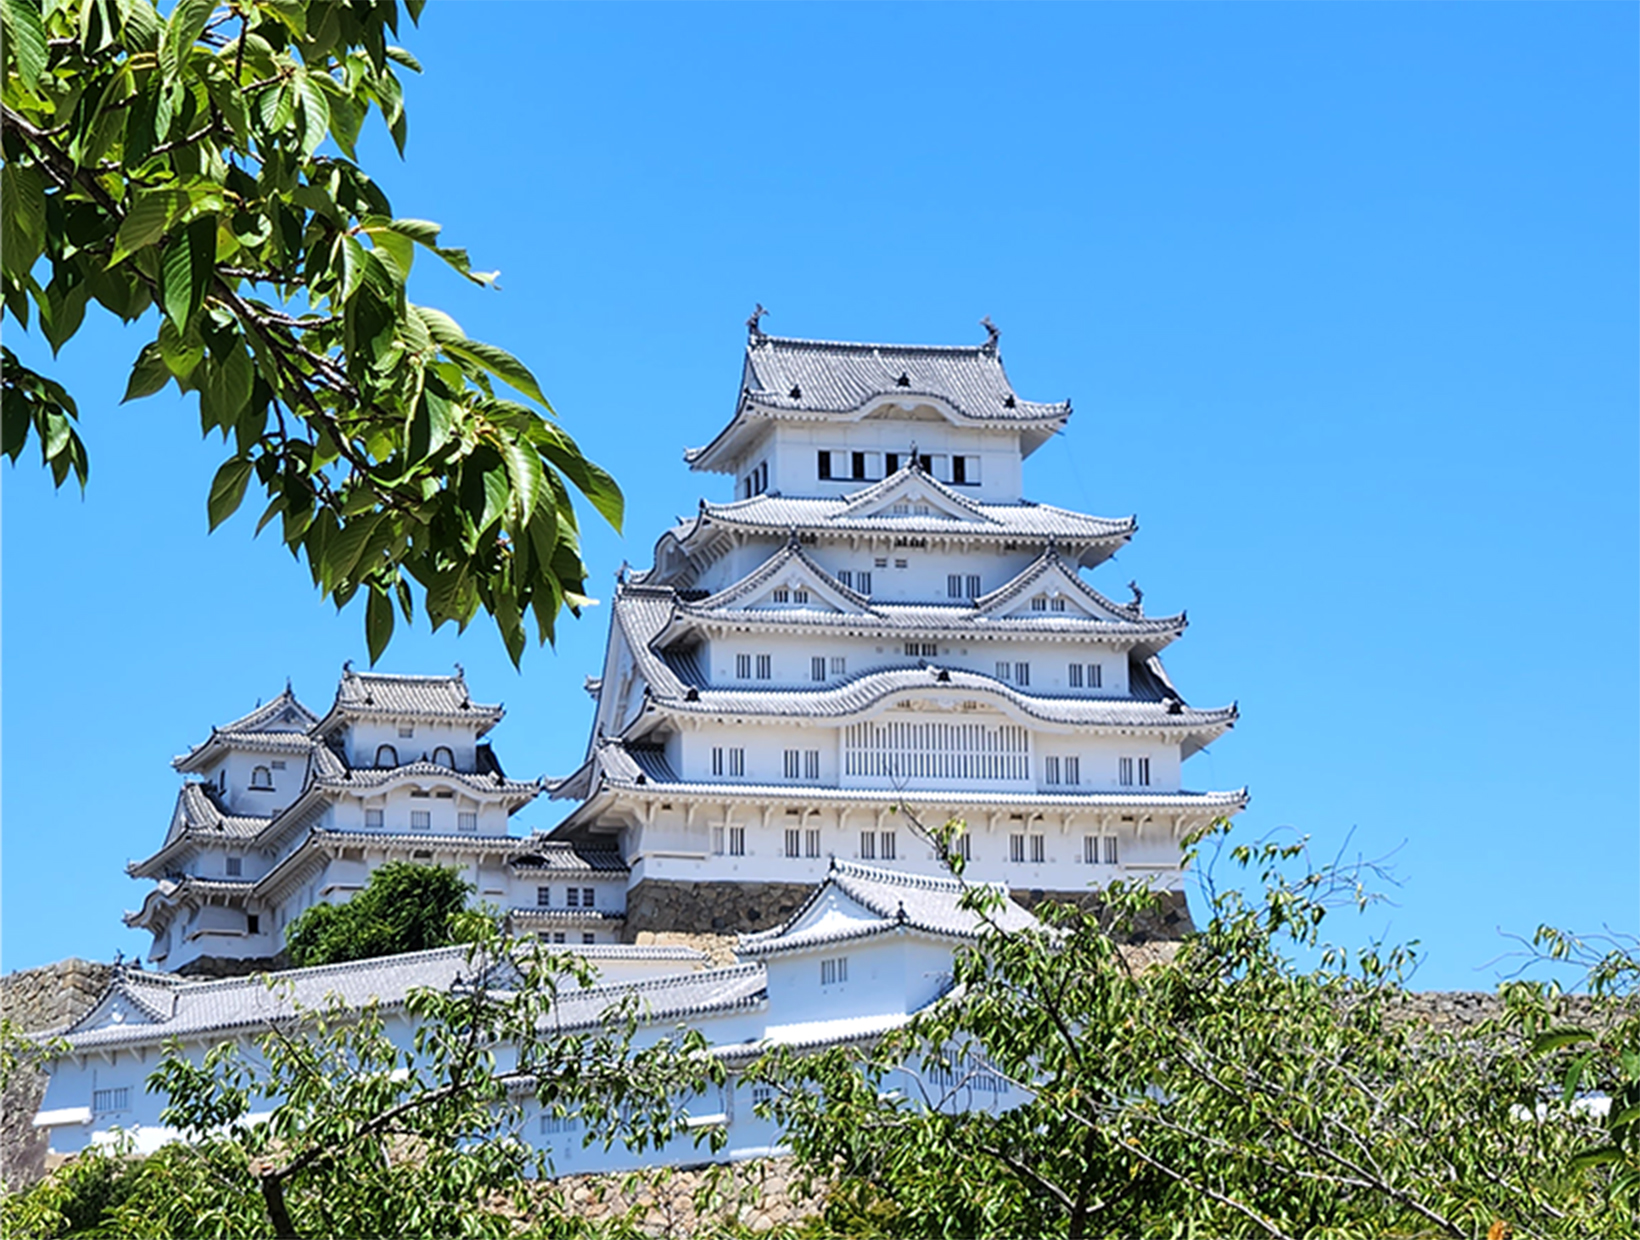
{"x": 280, "y": 726}
{"x": 364, "y": 695}
{"x": 839, "y": 379}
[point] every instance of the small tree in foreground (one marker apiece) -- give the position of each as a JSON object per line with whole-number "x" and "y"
{"x": 370, "y": 1138}
{"x": 1225, "y": 1091}
{"x": 403, "y": 907}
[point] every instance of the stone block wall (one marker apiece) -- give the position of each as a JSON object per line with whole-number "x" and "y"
{"x": 1170, "y": 921}
{"x": 37, "y": 1000}
{"x": 661, "y": 905}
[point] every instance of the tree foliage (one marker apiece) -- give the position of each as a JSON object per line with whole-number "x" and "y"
{"x": 1225, "y": 1091}
{"x": 178, "y": 164}
{"x": 372, "y": 1134}
{"x": 403, "y": 907}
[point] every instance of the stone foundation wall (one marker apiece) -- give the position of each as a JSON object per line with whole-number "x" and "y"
{"x": 36, "y": 1000}
{"x": 757, "y": 1195}
{"x": 660, "y": 905}
{"x": 1170, "y": 921}
{"x": 209, "y": 967}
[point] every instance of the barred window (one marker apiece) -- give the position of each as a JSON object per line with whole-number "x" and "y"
{"x": 717, "y": 759}
{"x": 1110, "y": 850}
{"x": 1039, "y": 848}
{"x": 800, "y": 595}
{"x": 373, "y": 818}
{"x": 737, "y": 841}
{"x": 794, "y": 842}
{"x": 782, "y": 595}
{"x": 572, "y": 897}
{"x": 1096, "y": 676}
{"x": 1022, "y": 673}
{"x": 846, "y": 577}
{"x": 834, "y": 971}
{"x": 868, "y": 845}
{"x": 1075, "y": 677}
{"x": 1016, "y": 848}
{"x": 811, "y": 842}
{"x": 793, "y": 762}
{"x": 467, "y": 820}
{"x": 953, "y": 586}
{"x": 543, "y": 897}
{"x": 1039, "y": 603}
{"x": 105, "y": 1100}
{"x": 817, "y": 667}
{"x": 811, "y": 764}
{"x": 588, "y": 896}
{"x": 765, "y": 666}
{"x": 236, "y": 867}
{"x": 865, "y": 583}
{"x": 1005, "y": 671}
{"x": 971, "y": 585}
{"x": 421, "y": 820}
{"x": 743, "y": 666}
{"x": 737, "y": 763}
{"x": 1056, "y": 604}
{"x": 1050, "y": 770}
{"x": 885, "y": 845}
{"x": 1073, "y": 770}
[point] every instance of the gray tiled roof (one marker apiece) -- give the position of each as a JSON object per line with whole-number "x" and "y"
{"x": 771, "y": 569}
{"x": 280, "y": 726}
{"x": 429, "y": 697}
{"x": 932, "y": 905}
{"x": 185, "y": 1007}
{"x": 371, "y": 777}
{"x": 564, "y": 916}
{"x": 780, "y": 513}
{"x": 202, "y": 813}
{"x": 271, "y": 717}
{"x": 672, "y": 998}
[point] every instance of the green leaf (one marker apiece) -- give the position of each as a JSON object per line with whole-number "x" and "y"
{"x": 148, "y": 375}
{"x": 440, "y": 326}
{"x": 182, "y": 351}
{"x": 190, "y": 260}
{"x": 400, "y": 56}
{"x": 1595, "y": 1156}
{"x": 182, "y": 31}
{"x": 1554, "y": 1039}
{"x": 22, "y": 218}
{"x": 25, "y": 33}
{"x": 315, "y": 115}
{"x": 498, "y": 362}
{"x": 228, "y": 384}
{"x": 344, "y": 550}
{"x": 227, "y": 490}
{"x": 145, "y": 223}
{"x": 378, "y": 623}
{"x": 528, "y": 477}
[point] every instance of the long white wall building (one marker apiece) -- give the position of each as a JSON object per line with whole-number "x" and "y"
{"x": 881, "y": 621}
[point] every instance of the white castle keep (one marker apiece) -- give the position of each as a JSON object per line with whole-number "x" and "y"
{"x": 879, "y": 629}
{"x": 880, "y": 626}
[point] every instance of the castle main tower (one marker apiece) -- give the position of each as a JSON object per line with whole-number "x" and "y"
{"x": 881, "y": 626}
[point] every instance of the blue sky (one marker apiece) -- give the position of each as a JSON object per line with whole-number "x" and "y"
{"x": 1344, "y": 295}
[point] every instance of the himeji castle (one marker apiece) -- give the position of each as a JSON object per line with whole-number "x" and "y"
{"x": 282, "y": 809}
{"x": 881, "y": 627}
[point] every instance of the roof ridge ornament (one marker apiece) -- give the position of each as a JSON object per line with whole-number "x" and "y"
{"x": 754, "y": 325}
{"x": 992, "y": 334}
{"x": 1138, "y": 603}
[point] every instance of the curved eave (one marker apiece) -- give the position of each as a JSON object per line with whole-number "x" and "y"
{"x": 514, "y": 793}
{"x": 1035, "y": 422}
{"x": 340, "y": 715}
{"x": 863, "y": 695}
{"x": 1149, "y": 636}
{"x": 1231, "y": 801}
{"x": 219, "y": 743}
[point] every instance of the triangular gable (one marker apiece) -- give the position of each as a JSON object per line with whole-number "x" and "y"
{"x": 791, "y": 571}
{"x": 1051, "y": 576}
{"x": 913, "y": 493}
{"x": 283, "y": 714}
{"x": 833, "y": 912}
{"x": 120, "y": 1007}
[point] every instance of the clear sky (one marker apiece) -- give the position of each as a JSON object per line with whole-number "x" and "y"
{"x": 1345, "y": 296}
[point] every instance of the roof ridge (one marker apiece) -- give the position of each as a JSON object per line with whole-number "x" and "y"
{"x": 763, "y": 340}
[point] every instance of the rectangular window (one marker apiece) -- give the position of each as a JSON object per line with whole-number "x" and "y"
{"x": 1110, "y": 850}
{"x": 762, "y": 1095}
{"x": 743, "y": 666}
{"x": 817, "y": 667}
{"x": 880, "y": 561}
{"x": 407, "y": 729}
{"x": 717, "y": 841}
{"x": 559, "y": 1123}
{"x": 106, "y": 1100}
{"x": 800, "y": 596}
{"x": 929, "y": 650}
{"x": 857, "y": 461}
{"x": 953, "y": 586}
{"x": 277, "y": 764}
{"x": 1075, "y": 680}
{"x": 782, "y": 595}
{"x": 1073, "y": 770}
{"x": 1096, "y": 676}
{"x": 1039, "y": 848}
{"x": 467, "y": 821}
{"x": 1056, "y": 604}
{"x": 959, "y": 470}
{"x": 1016, "y": 848}
{"x": 1124, "y": 772}
{"x": 1050, "y": 770}
{"x": 588, "y": 938}
{"x": 911, "y": 649}
{"x": 558, "y": 936}
{"x": 838, "y": 665}
{"x": 899, "y": 563}
{"x": 846, "y": 577}
{"x": 963, "y": 846}
{"x": 865, "y": 583}
{"x": 811, "y": 842}
{"x": 572, "y": 897}
{"x": 823, "y": 463}
{"x": 717, "y": 759}
{"x": 885, "y": 845}
{"x": 794, "y": 842}
{"x": 891, "y": 463}
{"x": 868, "y": 845}
{"x": 1022, "y": 673}
{"x": 1144, "y": 772}
{"x": 253, "y": 923}
{"x": 1039, "y": 603}
{"x": 373, "y": 818}
{"x": 737, "y": 763}
{"x": 1090, "y": 850}
{"x": 588, "y": 896}
{"x": 794, "y": 760}
{"x": 765, "y": 667}
{"x": 737, "y": 841}
{"x": 811, "y": 764}
{"x": 926, "y": 461}
{"x": 971, "y": 585}
{"x": 235, "y": 867}
{"x": 1005, "y": 671}
{"x": 421, "y": 820}
{"x": 834, "y": 972}
{"x": 543, "y": 897}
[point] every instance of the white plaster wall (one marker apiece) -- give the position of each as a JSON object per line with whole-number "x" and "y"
{"x": 363, "y": 738}
{"x": 791, "y": 451}
{"x": 241, "y": 798}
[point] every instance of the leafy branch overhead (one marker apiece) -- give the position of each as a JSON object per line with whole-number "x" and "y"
{"x": 174, "y": 163}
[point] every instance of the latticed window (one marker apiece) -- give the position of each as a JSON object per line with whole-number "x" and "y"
{"x": 794, "y": 842}
{"x": 1022, "y": 673}
{"x": 737, "y": 841}
{"x": 1073, "y": 770}
{"x": 953, "y": 586}
{"x": 421, "y": 820}
{"x": 1016, "y": 848}
{"x": 743, "y": 667}
{"x": 937, "y": 751}
{"x": 868, "y": 845}
{"x": 737, "y": 763}
{"x": 811, "y": 764}
{"x": 765, "y": 666}
{"x": 885, "y": 845}
{"x": 794, "y": 760}
{"x": 1039, "y": 848}
{"x": 1056, "y": 604}
{"x": 106, "y": 1100}
{"x": 782, "y": 595}
{"x": 811, "y": 842}
{"x": 817, "y": 667}
{"x": 834, "y": 971}
{"x": 1039, "y": 603}
{"x": 467, "y": 821}
{"x": 1050, "y": 770}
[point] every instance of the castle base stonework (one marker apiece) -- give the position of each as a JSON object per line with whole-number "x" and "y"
{"x": 709, "y": 908}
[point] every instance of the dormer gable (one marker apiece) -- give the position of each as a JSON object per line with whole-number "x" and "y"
{"x": 128, "y": 1002}
{"x": 787, "y": 580}
{"x": 1050, "y": 586}
{"x": 911, "y": 492}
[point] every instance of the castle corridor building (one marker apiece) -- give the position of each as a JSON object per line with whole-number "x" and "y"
{"x": 881, "y": 628}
